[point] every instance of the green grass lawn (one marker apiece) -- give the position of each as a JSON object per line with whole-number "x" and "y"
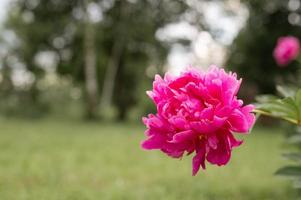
{"x": 60, "y": 160}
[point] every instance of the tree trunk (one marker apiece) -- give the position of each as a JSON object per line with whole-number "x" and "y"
{"x": 91, "y": 85}
{"x": 110, "y": 76}
{"x": 122, "y": 114}
{"x": 7, "y": 84}
{"x": 114, "y": 61}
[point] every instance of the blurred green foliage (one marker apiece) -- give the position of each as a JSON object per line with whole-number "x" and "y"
{"x": 124, "y": 34}
{"x": 251, "y": 54}
{"x": 287, "y": 107}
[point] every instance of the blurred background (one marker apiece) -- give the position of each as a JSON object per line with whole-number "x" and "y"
{"x": 73, "y": 76}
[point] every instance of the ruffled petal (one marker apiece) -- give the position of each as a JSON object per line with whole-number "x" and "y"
{"x": 153, "y": 142}
{"x": 221, "y": 155}
{"x": 239, "y": 122}
{"x": 183, "y": 136}
{"x": 199, "y": 159}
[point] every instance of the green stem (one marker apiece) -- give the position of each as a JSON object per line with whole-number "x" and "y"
{"x": 271, "y": 115}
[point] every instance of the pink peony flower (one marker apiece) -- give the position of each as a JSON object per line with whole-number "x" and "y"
{"x": 287, "y": 49}
{"x": 197, "y": 112}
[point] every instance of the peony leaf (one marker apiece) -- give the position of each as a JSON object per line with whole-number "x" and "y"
{"x": 286, "y": 91}
{"x": 291, "y": 171}
{"x": 285, "y": 108}
{"x": 298, "y": 103}
{"x": 293, "y": 156}
{"x": 295, "y": 139}
{"x": 279, "y": 109}
{"x": 265, "y": 98}
{"x": 297, "y": 184}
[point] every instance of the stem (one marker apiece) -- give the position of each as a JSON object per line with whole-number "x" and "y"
{"x": 271, "y": 115}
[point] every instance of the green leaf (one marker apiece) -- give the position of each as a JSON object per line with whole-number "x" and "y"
{"x": 288, "y": 108}
{"x": 281, "y": 108}
{"x": 298, "y": 102}
{"x": 286, "y": 91}
{"x": 295, "y": 139}
{"x": 297, "y": 184}
{"x": 285, "y": 108}
{"x": 292, "y": 171}
{"x": 290, "y": 104}
{"x": 293, "y": 156}
{"x": 265, "y": 98}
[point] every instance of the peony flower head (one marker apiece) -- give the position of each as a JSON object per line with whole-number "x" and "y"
{"x": 197, "y": 113}
{"x": 287, "y": 49}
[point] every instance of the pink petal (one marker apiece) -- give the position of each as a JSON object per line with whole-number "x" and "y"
{"x": 183, "y": 136}
{"x": 221, "y": 155}
{"x": 199, "y": 159}
{"x": 212, "y": 141}
{"x": 238, "y": 121}
{"x": 233, "y": 142}
{"x": 153, "y": 142}
{"x": 206, "y": 126}
{"x": 178, "y": 122}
